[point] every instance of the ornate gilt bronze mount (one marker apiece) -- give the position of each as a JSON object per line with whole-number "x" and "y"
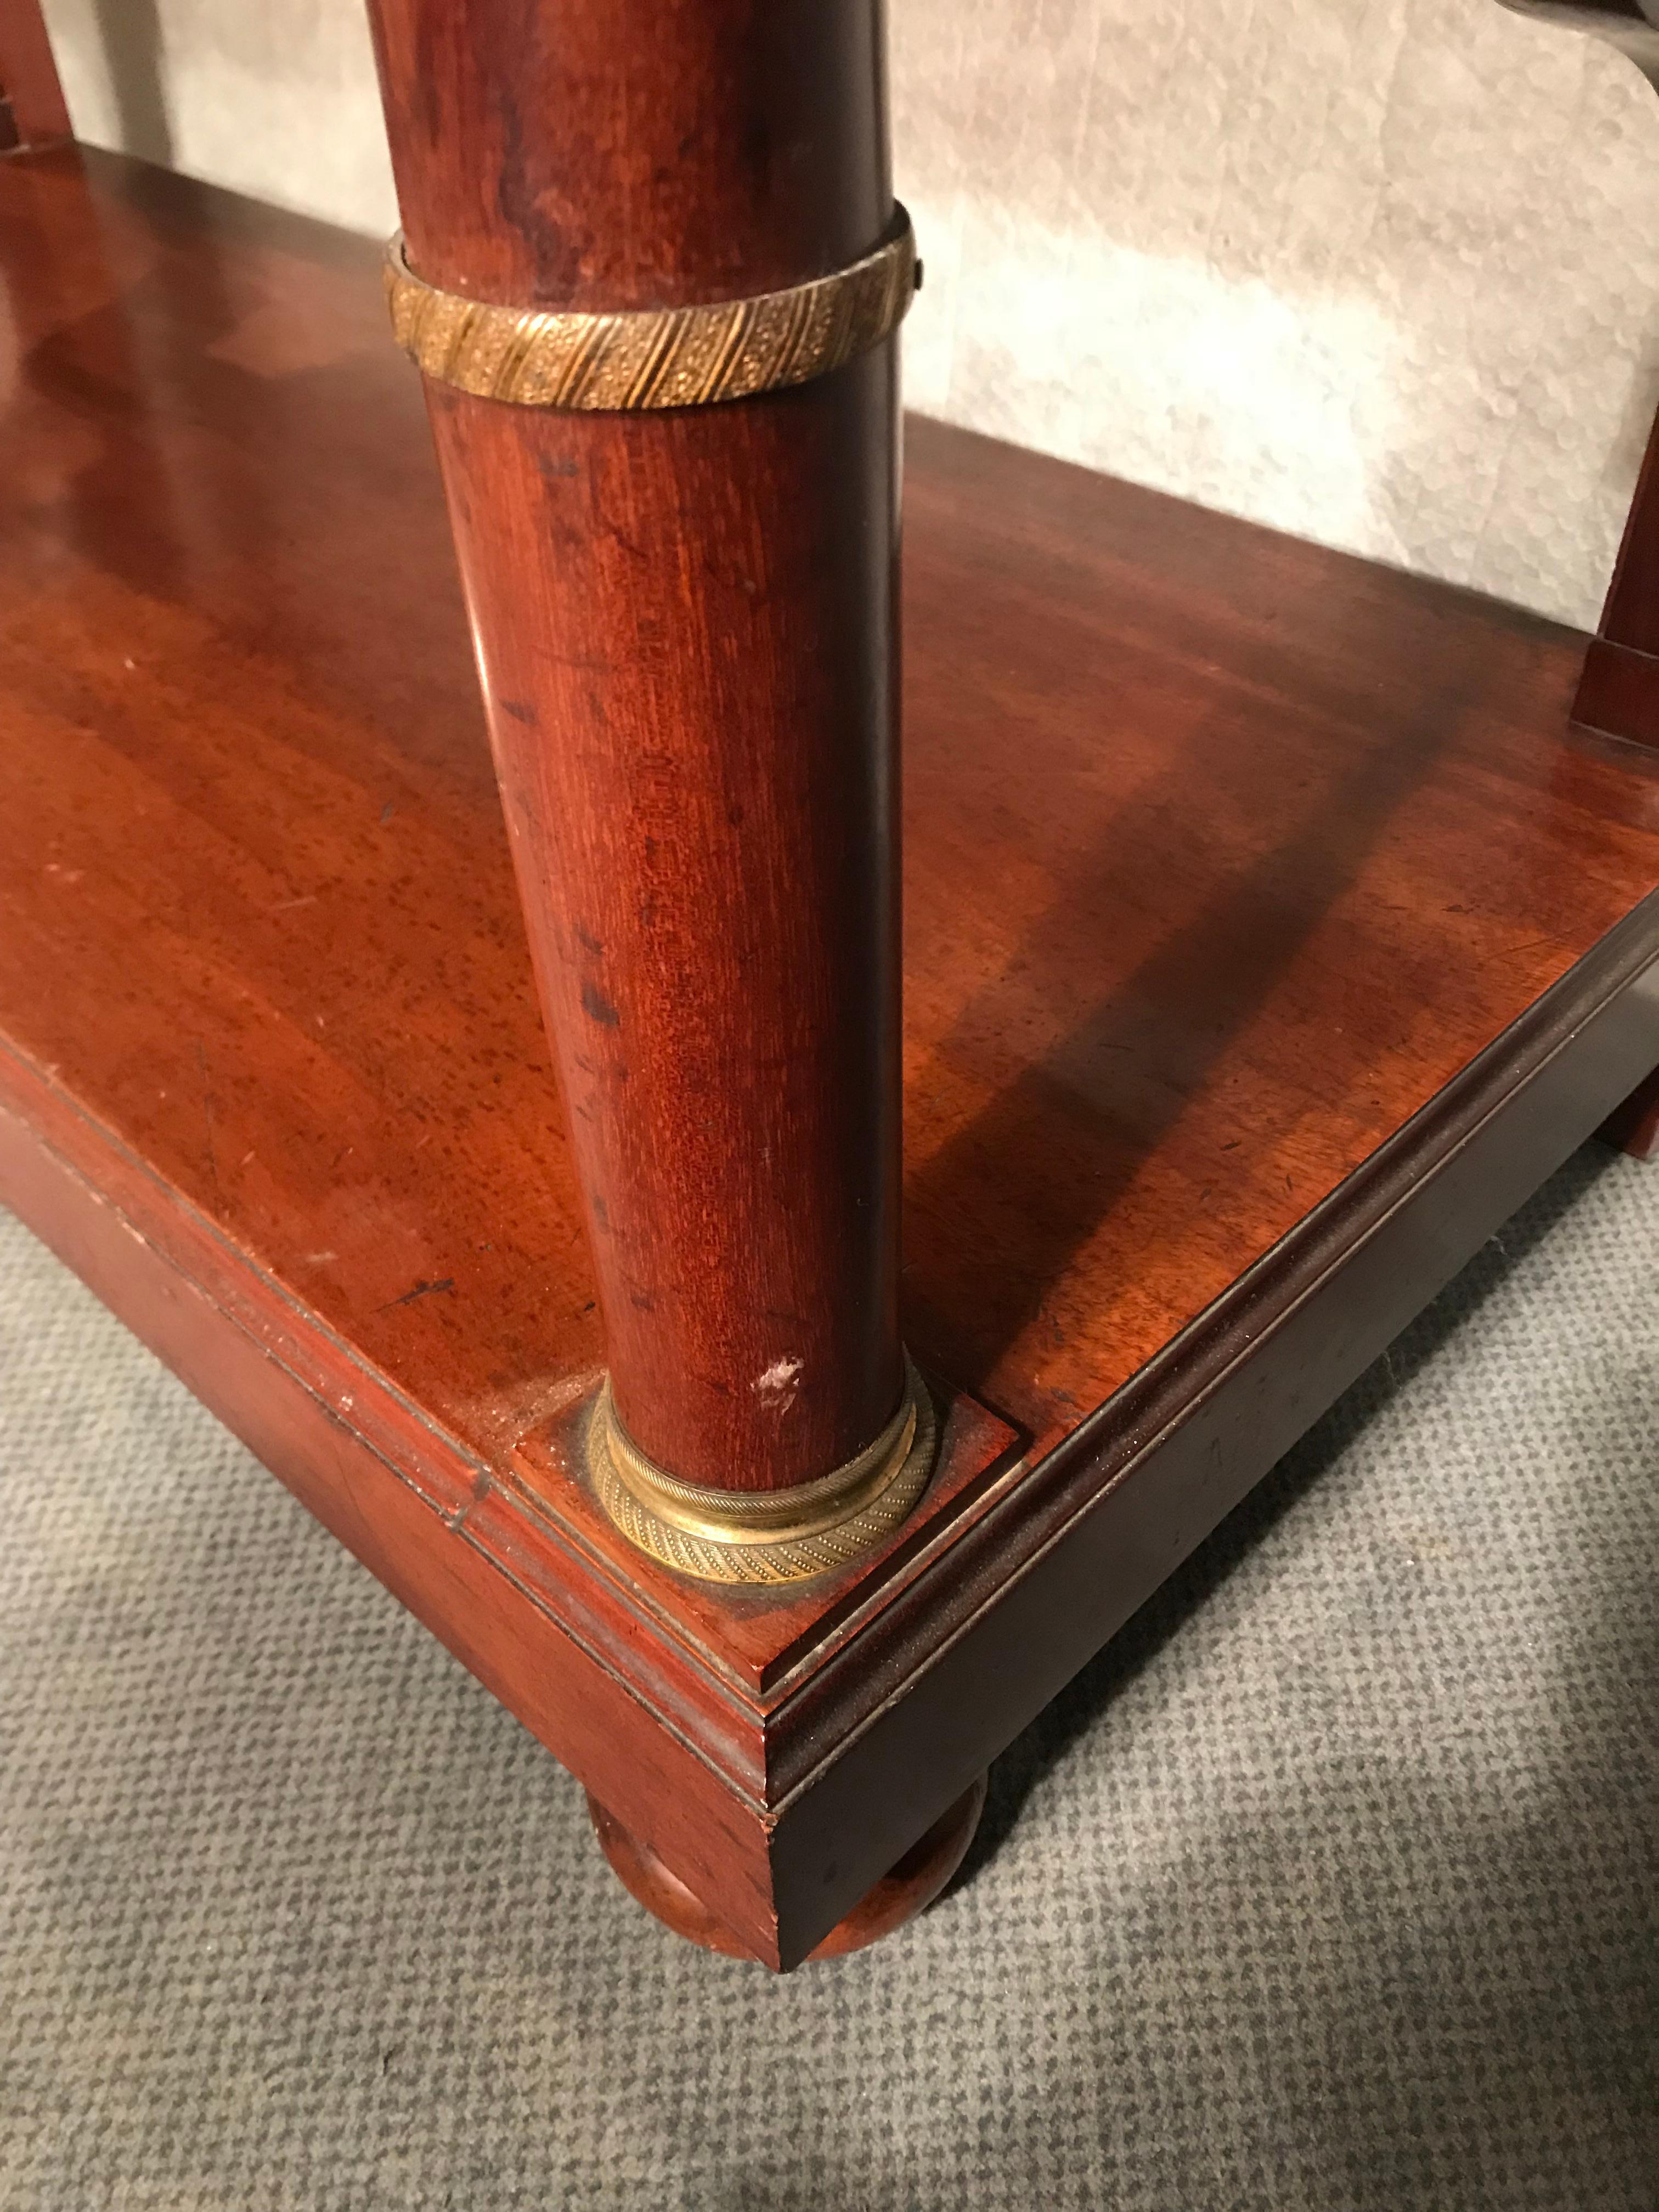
{"x": 654, "y": 357}
{"x": 769, "y": 1535}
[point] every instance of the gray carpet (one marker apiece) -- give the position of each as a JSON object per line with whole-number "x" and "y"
{"x": 1330, "y": 1885}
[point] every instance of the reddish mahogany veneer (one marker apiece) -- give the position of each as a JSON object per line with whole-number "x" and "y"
{"x": 684, "y": 623}
{"x": 635, "y": 155}
{"x": 32, "y": 110}
{"x": 1269, "y": 937}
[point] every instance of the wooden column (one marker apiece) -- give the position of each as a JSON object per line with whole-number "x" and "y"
{"x": 32, "y": 109}
{"x": 685, "y": 626}
{"x": 1619, "y": 691}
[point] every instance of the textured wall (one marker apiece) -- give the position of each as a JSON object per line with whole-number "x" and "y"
{"x": 1383, "y": 272}
{"x": 274, "y": 97}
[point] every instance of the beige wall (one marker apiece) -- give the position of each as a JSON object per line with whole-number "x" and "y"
{"x": 1384, "y": 272}
{"x": 274, "y": 97}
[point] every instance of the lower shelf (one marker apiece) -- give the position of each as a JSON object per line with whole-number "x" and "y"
{"x": 1269, "y": 937}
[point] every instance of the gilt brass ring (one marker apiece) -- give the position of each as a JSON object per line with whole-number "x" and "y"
{"x": 766, "y": 1536}
{"x": 654, "y": 357}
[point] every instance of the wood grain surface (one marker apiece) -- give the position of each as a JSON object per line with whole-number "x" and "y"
{"x": 1220, "y": 847}
{"x": 684, "y": 623}
{"x": 635, "y": 155}
{"x": 1268, "y": 935}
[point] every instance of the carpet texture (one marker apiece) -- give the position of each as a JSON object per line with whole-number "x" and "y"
{"x": 1331, "y": 1884}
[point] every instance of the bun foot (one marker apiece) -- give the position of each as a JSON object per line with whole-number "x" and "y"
{"x": 908, "y": 1888}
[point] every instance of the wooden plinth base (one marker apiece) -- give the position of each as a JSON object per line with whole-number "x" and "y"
{"x": 905, "y": 1890}
{"x": 1269, "y": 937}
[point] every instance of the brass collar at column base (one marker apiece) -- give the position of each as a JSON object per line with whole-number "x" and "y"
{"x": 766, "y": 1536}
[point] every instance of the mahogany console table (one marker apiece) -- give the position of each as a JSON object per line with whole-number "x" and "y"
{"x": 1271, "y": 929}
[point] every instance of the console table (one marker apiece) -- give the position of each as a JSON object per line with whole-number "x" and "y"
{"x": 1273, "y": 923}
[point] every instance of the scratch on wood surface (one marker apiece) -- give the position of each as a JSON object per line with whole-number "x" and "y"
{"x": 207, "y": 1121}
{"x": 423, "y": 1288}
